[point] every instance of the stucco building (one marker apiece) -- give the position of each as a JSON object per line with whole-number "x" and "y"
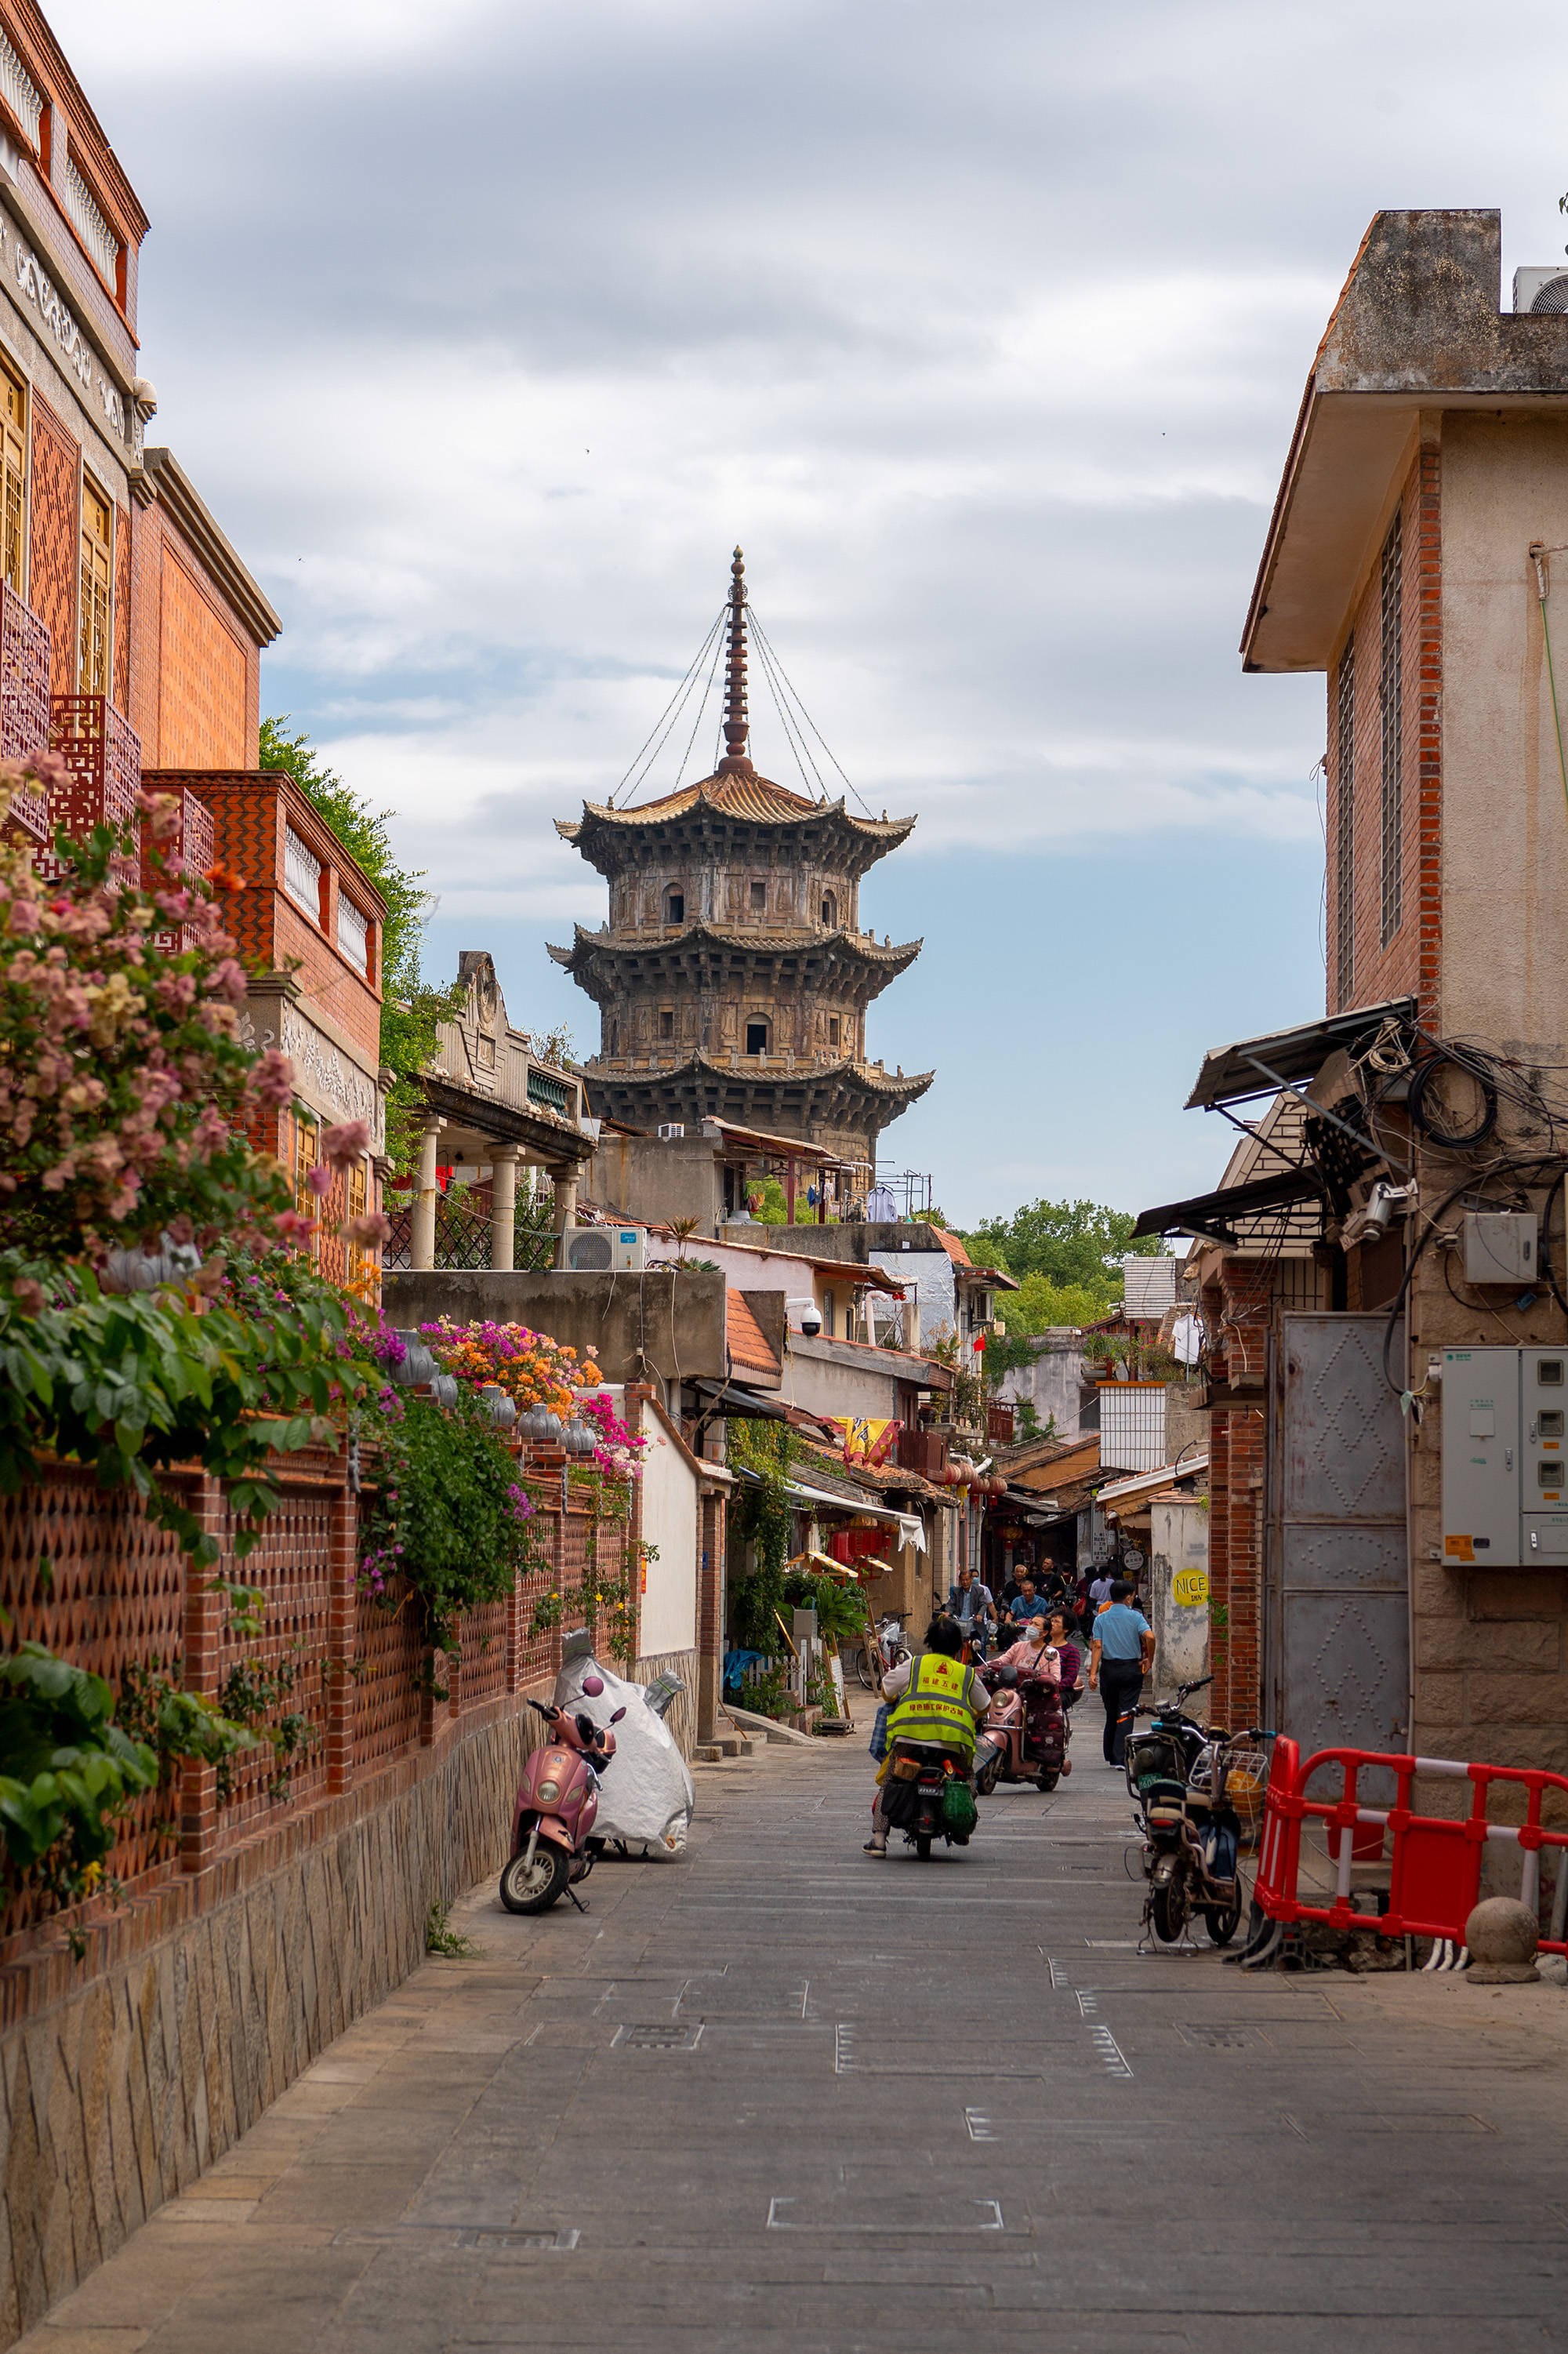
{"x": 733, "y": 978}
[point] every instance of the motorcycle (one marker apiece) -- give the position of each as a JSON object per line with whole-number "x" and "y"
{"x": 1024, "y": 1737}
{"x": 891, "y": 1650}
{"x": 1172, "y": 1746}
{"x": 552, "y": 1824}
{"x": 916, "y": 1795}
{"x": 1193, "y": 1831}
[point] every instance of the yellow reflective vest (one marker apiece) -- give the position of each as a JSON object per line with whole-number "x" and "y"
{"x": 941, "y": 1703}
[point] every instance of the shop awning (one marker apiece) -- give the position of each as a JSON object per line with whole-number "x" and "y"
{"x": 1213, "y": 1215}
{"x": 1288, "y": 1058}
{"x": 911, "y": 1528}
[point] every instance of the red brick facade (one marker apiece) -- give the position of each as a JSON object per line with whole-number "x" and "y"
{"x": 54, "y": 520}
{"x": 1238, "y": 1308}
{"x": 1370, "y": 959}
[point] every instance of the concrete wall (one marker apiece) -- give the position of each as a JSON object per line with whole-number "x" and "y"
{"x": 1178, "y": 1591}
{"x": 118, "y": 2097}
{"x": 667, "y": 1617}
{"x": 1052, "y": 1382}
{"x": 831, "y": 1377}
{"x": 669, "y": 1325}
{"x": 658, "y": 1179}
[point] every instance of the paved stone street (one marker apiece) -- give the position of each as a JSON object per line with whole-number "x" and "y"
{"x": 782, "y": 2095}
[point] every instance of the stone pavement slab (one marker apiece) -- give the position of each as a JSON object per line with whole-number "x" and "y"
{"x": 778, "y": 2094}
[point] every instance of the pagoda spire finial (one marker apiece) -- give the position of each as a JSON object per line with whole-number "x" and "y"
{"x": 737, "y": 724}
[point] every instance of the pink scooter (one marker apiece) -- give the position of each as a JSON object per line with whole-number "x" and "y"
{"x": 558, "y": 1800}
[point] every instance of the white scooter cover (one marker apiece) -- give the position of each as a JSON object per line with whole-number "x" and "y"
{"x": 646, "y": 1796}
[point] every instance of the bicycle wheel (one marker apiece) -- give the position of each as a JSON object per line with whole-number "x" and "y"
{"x": 1221, "y": 1922}
{"x": 863, "y": 1669}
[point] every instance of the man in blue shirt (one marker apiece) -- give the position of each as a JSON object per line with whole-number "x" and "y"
{"x": 1027, "y": 1605}
{"x": 969, "y": 1602}
{"x": 1123, "y": 1650}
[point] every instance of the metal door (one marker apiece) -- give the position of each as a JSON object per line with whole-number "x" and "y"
{"x": 1337, "y": 1605}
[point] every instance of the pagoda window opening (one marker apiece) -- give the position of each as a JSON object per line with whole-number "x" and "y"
{"x": 666, "y": 1021}
{"x": 759, "y": 896}
{"x": 832, "y": 1029}
{"x": 830, "y": 910}
{"x": 757, "y": 1031}
{"x": 675, "y": 905}
{"x": 615, "y": 1038}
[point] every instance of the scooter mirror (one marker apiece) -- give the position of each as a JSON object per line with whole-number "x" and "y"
{"x": 593, "y": 1686}
{"x": 618, "y": 1715}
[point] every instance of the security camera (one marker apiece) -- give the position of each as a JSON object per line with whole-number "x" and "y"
{"x": 810, "y": 1314}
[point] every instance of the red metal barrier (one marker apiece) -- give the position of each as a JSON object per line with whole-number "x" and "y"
{"x": 1435, "y": 1861}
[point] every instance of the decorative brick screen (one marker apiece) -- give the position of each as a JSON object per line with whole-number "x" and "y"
{"x": 103, "y": 754}
{"x": 483, "y": 1655}
{"x": 23, "y": 701}
{"x": 292, "y": 1565}
{"x": 386, "y": 1660}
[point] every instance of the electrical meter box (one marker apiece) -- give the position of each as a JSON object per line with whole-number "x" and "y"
{"x": 1499, "y": 1247}
{"x": 1544, "y": 1457}
{"x": 1481, "y": 1481}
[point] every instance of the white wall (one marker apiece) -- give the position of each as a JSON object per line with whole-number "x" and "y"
{"x": 1179, "y": 1549}
{"x": 671, "y": 1520}
{"x": 930, "y": 1275}
{"x": 826, "y": 1384}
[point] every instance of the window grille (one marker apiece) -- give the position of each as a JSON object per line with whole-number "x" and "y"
{"x": 1132, "y": 1425}
{"x": 353, "y": 933}
{"x": 1390, "y": 701}
{"x": 20, "y": 92}
{"x": 361, "y": 1261}
{"x": 92, "y": 654}
{"x": 1345, "y": 831}
{"x": 90, "y": 225}
{"x": 304, "y": 1162}
{"x": 13, "y": 483}
{"x": 302, "y": 875}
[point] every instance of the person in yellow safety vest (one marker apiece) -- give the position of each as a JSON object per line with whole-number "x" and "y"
{"x": 934, "y": 1698}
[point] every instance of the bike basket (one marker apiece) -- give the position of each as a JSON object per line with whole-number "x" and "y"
{"x": 1246, "y": 1785}
{"x": 959, "y": 1813}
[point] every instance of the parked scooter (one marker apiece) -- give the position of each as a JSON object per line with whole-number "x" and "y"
{"x": 926, "y": 1796}
{"x": 1170, "y": 1748}
{"x": 890, "y": 1651}
{"x": 1192, "y": 1833}
{"x": 558, "y": 1800}
{"x": 1025, "y": 1737}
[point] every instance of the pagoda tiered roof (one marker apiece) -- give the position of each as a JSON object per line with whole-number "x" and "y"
{"x": 704, "y": 955}
{"x": 714, "y": 814}
{"x": 811, "y": 1099}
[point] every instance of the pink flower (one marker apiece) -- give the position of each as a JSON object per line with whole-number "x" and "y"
{"x": 319, "y": 1179}
{"x": 369, "y": 1227}
{"x": 272, "y": 1079}
{"x": 293, "y": 1226}
{"x": 29, "y": 1296}
{"x": 343, "y": 1145}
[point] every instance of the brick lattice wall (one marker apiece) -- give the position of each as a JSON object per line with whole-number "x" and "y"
{"x": 121, "y": 681}
{"x": 54, "y": 533}
{"x": 203, "y": 678}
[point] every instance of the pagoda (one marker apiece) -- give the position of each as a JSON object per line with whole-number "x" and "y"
{"x": 732, "y": 977}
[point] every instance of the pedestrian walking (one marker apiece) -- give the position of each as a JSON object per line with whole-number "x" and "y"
{"x": 1122, "y": 1651}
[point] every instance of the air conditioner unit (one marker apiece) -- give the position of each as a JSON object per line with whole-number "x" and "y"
{"x": 669, "y": 1129}
{"x": 604, "y": 1250}
{"x": 1542, "y": 289}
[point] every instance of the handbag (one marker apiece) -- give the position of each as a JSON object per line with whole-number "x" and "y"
{"x": 877, "y": 1744}
{"x": 959, "y": 1812}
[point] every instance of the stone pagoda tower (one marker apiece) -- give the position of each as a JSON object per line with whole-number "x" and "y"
{"x": 732, "y": 977}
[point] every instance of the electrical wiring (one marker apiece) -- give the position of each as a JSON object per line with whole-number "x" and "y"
{"x": 1453, "y": 1139}
{"x": 1470, "y": 1184}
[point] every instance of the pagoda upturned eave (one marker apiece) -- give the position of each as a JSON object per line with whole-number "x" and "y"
{"x": 728, "y": 808}
{"x": 815, "y": 1099}
{"x": 866, "y": 964}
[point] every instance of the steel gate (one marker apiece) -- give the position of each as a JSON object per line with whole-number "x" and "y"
{"x": 1337, "y": 1605}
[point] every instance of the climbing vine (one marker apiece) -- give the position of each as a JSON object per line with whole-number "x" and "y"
{"x": 758, "y": 1517}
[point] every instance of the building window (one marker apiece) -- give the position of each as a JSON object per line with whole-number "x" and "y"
{"x": 305, "y": 1201}
{"x": 674, "y": 907}
{"x": 832, "y": 1029}
{"x": 353, "y": 934}
{"x": 91, "y": 227}
{"x": 14, "y": 488}
{"x": 361, "y": 1261}
{"x": 828, "y": 1307}
{"x": 757, "y": 1037}
{"x": 93, "y": 662}
{"x": 760, "y": 894}
{"x": 302, "y": 875}
{"x": 830, "y": 910}
{"x": 666, "y": 1021}
{"x": 1345, "y": 829}
{"x": 614, "y": 1039}
{"x": 1390, "y": 703}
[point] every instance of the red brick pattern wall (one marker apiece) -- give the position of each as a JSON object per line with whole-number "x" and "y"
{"x": 1408, "y": 964}
{"x": 121, "y": 680}
{"x": 54, "y": 539}
{"x": 204, "y": 685}
{"x": 1238, "y": 1308}
{"x": 146, "y": 569}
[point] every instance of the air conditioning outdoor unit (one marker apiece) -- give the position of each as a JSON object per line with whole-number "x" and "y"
{"x": 669, "y": 1129}
{"x": 604, "y": 1250}
{"x": 1542, "y": 289}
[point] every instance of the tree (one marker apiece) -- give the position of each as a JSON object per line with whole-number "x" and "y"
{"x": 1064, "y": 1255}
{"x": 410, "y": 1006}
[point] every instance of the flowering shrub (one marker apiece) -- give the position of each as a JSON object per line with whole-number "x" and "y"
{"x": 617, "y": 1450}
{"x": 529, "y": 1366}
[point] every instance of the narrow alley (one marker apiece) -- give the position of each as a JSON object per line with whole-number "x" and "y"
{"x": 778, "y": 2093}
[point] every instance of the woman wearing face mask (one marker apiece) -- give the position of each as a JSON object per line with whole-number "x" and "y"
{"x": 1032, "y": 1655}
{"x": 1071, "y": 1658}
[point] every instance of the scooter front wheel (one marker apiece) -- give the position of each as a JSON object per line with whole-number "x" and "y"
{"x": 986, "y": 1779}
{"x": 534, "y": 1888}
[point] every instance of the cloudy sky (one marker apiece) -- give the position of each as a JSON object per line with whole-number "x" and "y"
{"x": 488, "y": 328}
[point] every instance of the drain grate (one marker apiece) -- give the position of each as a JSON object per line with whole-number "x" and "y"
{"x": 656, "y": 2039}
{"x": 1222, "y": 2038}
{"x": 479, "y": 2237}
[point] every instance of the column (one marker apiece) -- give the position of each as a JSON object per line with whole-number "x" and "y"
{"x": 565, "y": 1182}
{"x": 201, "y": 1650}
{"x": 503, "y": 1206}
{"x": 422, "y": 1239}
{"x": 341, "y": 1690}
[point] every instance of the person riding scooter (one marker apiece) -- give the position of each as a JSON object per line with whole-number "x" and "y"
{"x": 936, "y": 1700}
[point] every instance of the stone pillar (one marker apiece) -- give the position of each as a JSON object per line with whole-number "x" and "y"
{"x": 423, "y": 1238}
{"x": 502, "y": 1207}
{"x": 342, "y": 1614}
{"x": 201, "y": 1650}
{"x": 564, "y": 1182}
{"x": 710, "y": 1615}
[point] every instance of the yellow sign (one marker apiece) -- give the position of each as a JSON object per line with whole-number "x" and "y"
{"x": 865, "y": 1441}
{"x": 1190, "y": 1587}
